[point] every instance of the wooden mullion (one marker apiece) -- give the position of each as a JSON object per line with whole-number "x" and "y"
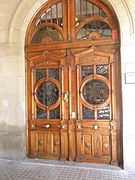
{"x": 69, "y": 21}
{"x": 64, "y": 14}
{"x": 95, "y": 113}
{"x": 94, "y": 70}
{"x": 47, "y": 72}
{"x": 72, "y": 11}
{"x": 47, "y": 114}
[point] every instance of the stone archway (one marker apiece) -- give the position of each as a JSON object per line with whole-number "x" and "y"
{"x": 25, "y": 12}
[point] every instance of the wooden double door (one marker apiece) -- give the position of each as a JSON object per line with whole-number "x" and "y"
{"x": 72, "y": 102}
{"x": 73, "y": 91}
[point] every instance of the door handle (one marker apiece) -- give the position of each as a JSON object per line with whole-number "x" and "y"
{"x": 95, "y": 127}
{"x": 47, "y": 126}
{"x": 66, "y": 94}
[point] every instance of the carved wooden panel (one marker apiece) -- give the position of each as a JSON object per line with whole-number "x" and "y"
{"x": 93, "y": 145}
{"x": 86, "y": 144}
{"x": 47, "y": 144}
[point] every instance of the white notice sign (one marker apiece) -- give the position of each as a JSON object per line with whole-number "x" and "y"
{"x": 130, "y": 78}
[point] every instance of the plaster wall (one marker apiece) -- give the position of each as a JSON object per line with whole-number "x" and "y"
{"x": 15, "y": 16}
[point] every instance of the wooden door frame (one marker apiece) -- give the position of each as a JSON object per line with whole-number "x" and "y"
{"x": 71, "y": 43}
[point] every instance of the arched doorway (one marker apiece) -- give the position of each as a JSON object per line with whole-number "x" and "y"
{"x": 73, "y": 83}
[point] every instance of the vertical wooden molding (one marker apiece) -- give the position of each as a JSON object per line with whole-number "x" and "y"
{"x": 78, "y": 95}
{"x": 113, "y": 91}
{"x": 62, "y": 91}
{"x": 72, "y": 11}
{"x": 69, "y": 20}
{"x": 26, "y": 106}
{"x": 32, "y": 92}
{"x": 70, "y": 97}
{"x": 114, "y": 120}
{"x": 64, "y": 2}
{"x": 63, "y": 123}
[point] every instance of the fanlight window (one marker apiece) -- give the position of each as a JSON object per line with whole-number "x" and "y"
{"x": 91, "y": 21}
{"x": 45, "y": 35}
{"x": 94, "y": 30}
{"x": 85, "y": 9}
{"x": 52, "y": 15}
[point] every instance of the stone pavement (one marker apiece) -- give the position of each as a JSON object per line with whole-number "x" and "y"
{"x": 37, "y": 169}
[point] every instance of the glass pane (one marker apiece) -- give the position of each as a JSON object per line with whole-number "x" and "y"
{"x": 43, "y": 18}
{"x": 40, "y": 113}
{"x": 102, "y": 70}
{"x": 87, "y": 113}
{"x": 40, "y": 73}
{"x": 95, "y": 92}
{"x": 102, "y": 29}
{"x": 53, "y": 73}
{"x": 96, "y": 11}
{"x": 104, "y": 113}
{"x": 54, "y": 20}
{"x": 60, "y": 18}
{"x": 55, "y": 113}
{"x": 83, "y": 8}
{"x": 89, "y": 9}
{"x": 47, "y": 93}
{"x": 86, "y": 71}
{"x": 49, "y": 32}
{"x": 48, "y": 13}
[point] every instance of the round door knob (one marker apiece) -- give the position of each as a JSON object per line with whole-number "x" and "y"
{"x": 47, "y": 126}
{"x": 79, "y": 126}
{"x": 95, "y": 127}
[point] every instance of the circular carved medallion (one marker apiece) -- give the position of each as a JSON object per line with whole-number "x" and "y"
{"x": 47, "y": 93}
{"x": 95, "y": 92}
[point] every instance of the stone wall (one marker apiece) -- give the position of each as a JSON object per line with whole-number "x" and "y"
{"x": 15, "y": 16}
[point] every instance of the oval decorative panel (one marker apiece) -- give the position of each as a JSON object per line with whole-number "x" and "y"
{"x": 95, "y": 92}
{"x": 47, "y": 93}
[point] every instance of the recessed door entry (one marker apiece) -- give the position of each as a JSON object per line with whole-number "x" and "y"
{"x": 71, "y": 73}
